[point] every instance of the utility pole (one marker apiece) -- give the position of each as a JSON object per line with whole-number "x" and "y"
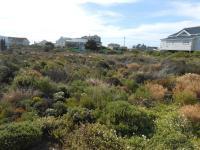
{"x": 124, "y": 41}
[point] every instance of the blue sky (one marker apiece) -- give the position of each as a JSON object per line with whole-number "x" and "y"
{"x": 140, "y": 21}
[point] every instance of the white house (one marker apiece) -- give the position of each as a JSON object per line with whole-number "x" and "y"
{"x": 114, "y": 46}
{"x": 77, "y": 43}
{"x": 62, "y": 41}
{"x": 187, "y": 39}
{"x": 14, "y": 41}
{"x": 18, "y": 41}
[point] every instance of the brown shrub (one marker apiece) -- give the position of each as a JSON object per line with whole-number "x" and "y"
{"x": 16, "y": 95}
{"x": 188, "y": 82}
{"x": 151, "y": 68}
{"x": 191, "y": 112}
{"x": 133, "y": 67}
{"x": 157, "y": 91}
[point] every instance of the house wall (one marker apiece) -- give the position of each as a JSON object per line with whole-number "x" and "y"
{"x": 196, "y": 44}
{"x": 177, "y": 45}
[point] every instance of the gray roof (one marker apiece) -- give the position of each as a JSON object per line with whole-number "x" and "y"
{"x": 194, "y": 31}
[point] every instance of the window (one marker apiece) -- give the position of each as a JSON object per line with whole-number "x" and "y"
{"x": 186, "y": 42}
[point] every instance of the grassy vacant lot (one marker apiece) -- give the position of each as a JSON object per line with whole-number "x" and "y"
{"x": 129, "y": 101}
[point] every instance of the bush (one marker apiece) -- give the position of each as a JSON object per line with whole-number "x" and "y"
{"x": 81, "y": 116}
{"x": 157, "y": 91}
{"x": 191, "y": 112}
{"x": 185, "y": 98}
{"x": 131, "y": 85}
{"x": 60, "y": 96}
{"x": 55, "y": 129}
{"x": 172, "y": 132}
{"x": 150, "y": 91}
{"x": 94, "y": 136}
{"x": 103, "y": 94}
{"x": 55, "y": 72}
{"x": 170, "y": 140}
{"x": 31, "y": 79}
{"x": 60, "y": 108}
{"x": 188, "y": 83}
{"x": 27, "y": 79}
{"x": 142, "y": 93}
{"x": 128, "y": 120}
{"x": 19, "y": 136}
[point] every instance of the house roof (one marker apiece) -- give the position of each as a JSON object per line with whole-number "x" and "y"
{"x": 192, "y": 33}
{"x": 17, "y": 39}
{"x": 193, "y": 30}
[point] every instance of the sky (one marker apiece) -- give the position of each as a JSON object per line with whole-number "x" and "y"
{"x": 140, "y": 21}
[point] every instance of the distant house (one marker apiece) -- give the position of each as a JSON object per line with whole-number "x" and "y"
{"x": 62, "y": 41}
{"x": 77, "y": 43}
{"x": 16, "y": 41}
{"x": 95, "y": 38}
{"x": 8, "y": 42}
{"x": 187, "y": 39}
{"x": 114, "y": 46}
{"x": 3, "y": 43}
{"x": 41, "y": 43}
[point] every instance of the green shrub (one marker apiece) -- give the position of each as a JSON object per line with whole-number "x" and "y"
{"x": 172, "y": 132}
{"x": 55, "y": 128}
{"x": 185, "y": 98}
{"x": 87, "y": 102}
{"x": 103, "y": 94}
{"x": 136, "y": 143}
{"x": 128, "y": 120}
{"x": 60, "y": 108}
{"x": 170, "y": 140}
{"x": 30, "y": 79}
{"x": 81, "y": 116}
{"x": 19, "y": 136}
{"x": 56, "y": 72}
{"x": 60, "y": 96}
{"x": 142, "y": 93}
{"x": 94, "y": 136}
{"x": 131, "y": 85}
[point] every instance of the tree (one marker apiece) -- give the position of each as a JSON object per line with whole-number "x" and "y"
{"x": 2, "y": 44}
{"x": 48, "y": 46}
{"x": 92, "y": 45}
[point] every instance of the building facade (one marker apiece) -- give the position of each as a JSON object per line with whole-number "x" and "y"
{"x": 95, "y": 38}
{"x": 8, "y": 42}
{"x": 77, "y": 43}
{"x": 187, "y": 39}
{"x": 114, "y": 46}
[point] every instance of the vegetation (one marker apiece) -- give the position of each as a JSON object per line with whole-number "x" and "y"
{"x": 53, "y": 99}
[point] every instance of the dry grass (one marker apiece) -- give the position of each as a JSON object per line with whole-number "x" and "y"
{"x": 133, "y": 67}
{"x": 95, "y": 82}
{"x": 151, "y": 68}
{"x": 191, "y": 112}
{"x": 16, "y": 95}
{"x": 189, "y": 82}
{"x": 157, "y": 91}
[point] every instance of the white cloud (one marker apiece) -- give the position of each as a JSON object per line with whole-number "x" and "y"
{"x": 187, "y": 9}
{"x": 50, "y": 19}
{"x": 107, "y": 2}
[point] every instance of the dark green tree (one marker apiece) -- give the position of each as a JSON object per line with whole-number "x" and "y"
{"x": 2, "y": 44}
{"x": 92, "y": 45}
{"x": 48, "y": 46}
